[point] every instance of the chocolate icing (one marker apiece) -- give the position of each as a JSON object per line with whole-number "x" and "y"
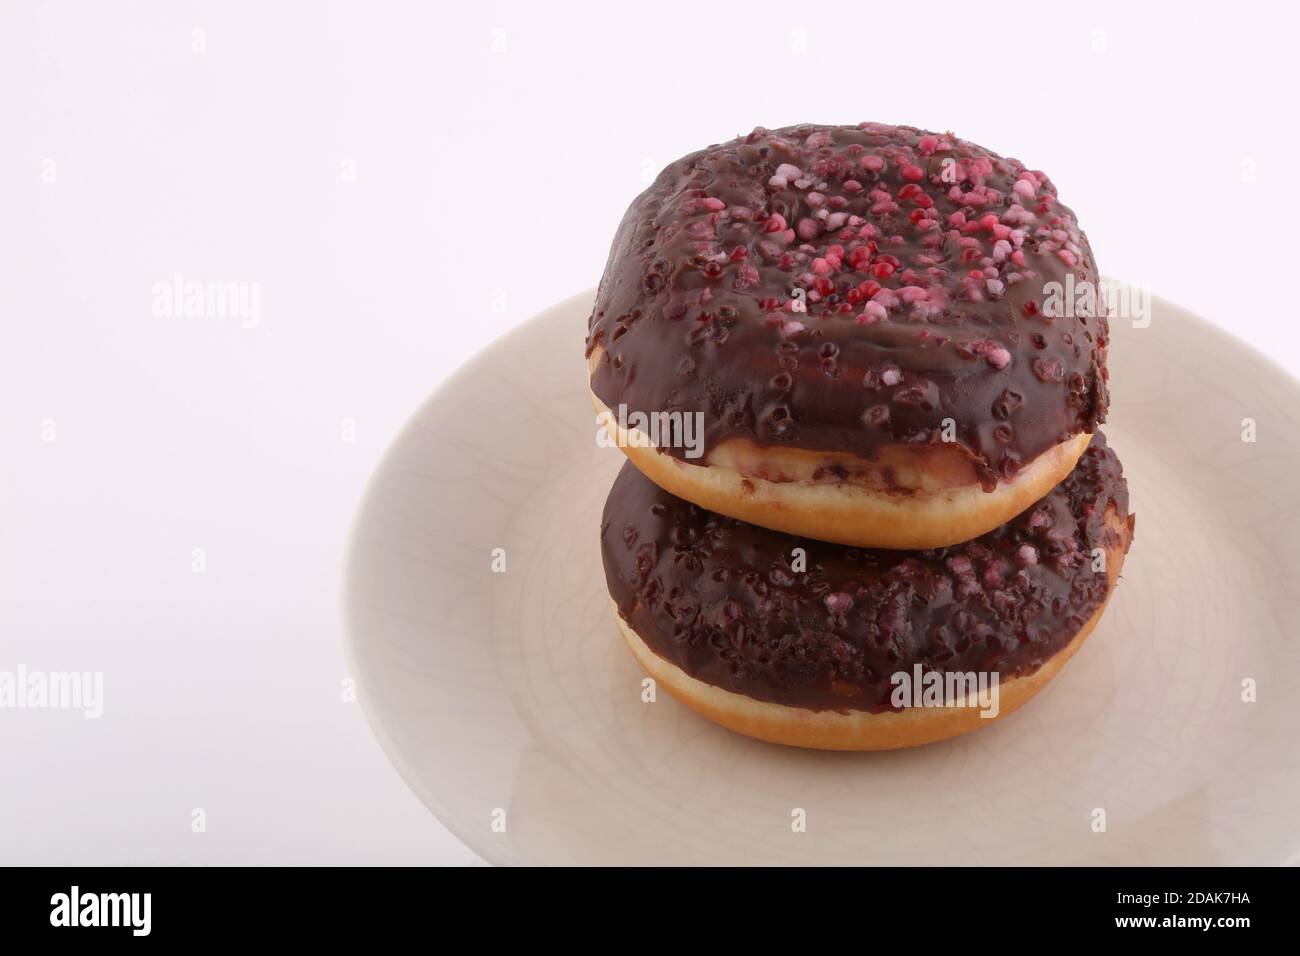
{"x": 923, "y": 261}
{"x": 719, "y": 598}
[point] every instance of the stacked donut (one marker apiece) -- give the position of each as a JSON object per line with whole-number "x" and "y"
{"x": 861, "y": 415}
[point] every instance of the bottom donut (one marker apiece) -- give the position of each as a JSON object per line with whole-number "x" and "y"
{"x": 810, "y": 644}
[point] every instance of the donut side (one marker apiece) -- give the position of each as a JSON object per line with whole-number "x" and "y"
{"x": 904, "y": 498}
{"x": 712, "y": 609}
{"x": 851, "y": 730}
{"x": 857, "y": 293}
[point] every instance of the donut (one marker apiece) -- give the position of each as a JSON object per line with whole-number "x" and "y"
{"x": 843, "y": 649}
{"x": 873, "y": 335}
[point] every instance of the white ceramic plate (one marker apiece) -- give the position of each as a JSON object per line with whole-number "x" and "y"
{"x": 510, "y": 705}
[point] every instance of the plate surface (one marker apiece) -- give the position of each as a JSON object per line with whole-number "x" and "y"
{"x": 511, "y": 707}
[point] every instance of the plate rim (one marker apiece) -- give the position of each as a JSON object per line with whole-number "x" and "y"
{"x": 492, "y": 851}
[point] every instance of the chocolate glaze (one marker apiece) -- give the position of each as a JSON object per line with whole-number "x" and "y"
{"x": 924, "y": 262}
{"x": 718, "y": 597}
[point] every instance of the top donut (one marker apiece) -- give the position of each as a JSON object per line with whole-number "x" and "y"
{"x": 835, "y": 296}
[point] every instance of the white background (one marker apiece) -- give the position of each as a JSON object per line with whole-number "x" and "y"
{"x": 404, "y": 183}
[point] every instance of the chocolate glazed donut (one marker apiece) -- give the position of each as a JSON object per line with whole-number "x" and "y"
{"x": 882, "y": 329}
{"x": 719, "y": 612}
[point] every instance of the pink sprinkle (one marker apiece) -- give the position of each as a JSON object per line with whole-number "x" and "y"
{"x": 913, "y": 173}
{"x": 1018, "y": 215}
{"x": 852, "y": 186}
{"x": 838, "y": 602}
{"x": 995, "y": 287}
{"x": 792, "y": 327}
{"x": 816, "y": 199}
{"x": 872, "y": 162}
{"x": 836, "y": 219}
{"x": 788, "y": 172}
{"x": 928, "y": 145}
{"x": 1028, "y": 554}
{"x": 820, "y": 266}
{"x": 891, "y": 375}
{"x": 1068, "y": 257}
{"x": 872, "y": 312}
{"x": 1023, "y": 187}
{"x": 713, "y": 205}
{"x": 998, "y": 357}
{"x": 808, "y": 229}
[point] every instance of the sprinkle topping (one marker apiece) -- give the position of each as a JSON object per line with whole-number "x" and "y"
{"x": 723, "y": 600}
{"x": 918, "y": 255}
